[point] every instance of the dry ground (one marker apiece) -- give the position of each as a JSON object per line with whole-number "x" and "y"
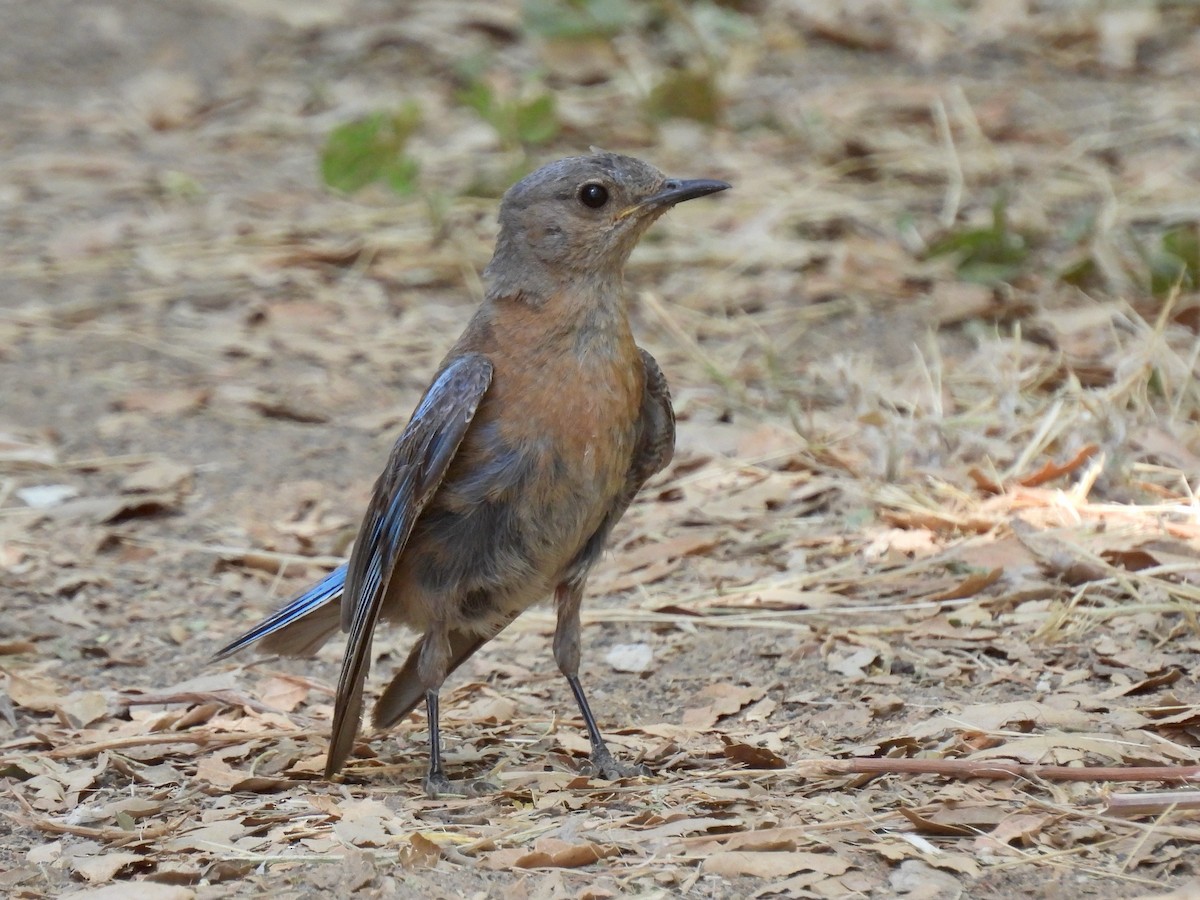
{"x": 925, "y": 506}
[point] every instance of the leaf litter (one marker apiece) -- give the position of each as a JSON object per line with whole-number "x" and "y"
{"x": 927, "y": 551}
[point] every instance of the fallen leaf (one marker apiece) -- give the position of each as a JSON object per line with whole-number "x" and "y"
{"x": 106, "y": 866}
{"x": 765, "y": 864}
{"x": 283, "y": 693}
{"x": 158, "y": 476}
{"x": 917, "y": 879}
{"x": 35, "y": 692}
{"x": 166, "y": 403}
{"x": 84, "y": 707}
{"x": 970, "y": 586}
{"x": 754, "y": 757}
{"x": 136, "y": 890}
{"x": 552, "y": 852}
{"x": 727, "y": 699}
{"x": 1052, "y": 470}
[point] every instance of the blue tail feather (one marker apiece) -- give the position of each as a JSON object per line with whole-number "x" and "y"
{"x": 327, "y": 590}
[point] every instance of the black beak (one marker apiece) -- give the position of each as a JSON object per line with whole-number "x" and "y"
{"x": 675, "y": 190}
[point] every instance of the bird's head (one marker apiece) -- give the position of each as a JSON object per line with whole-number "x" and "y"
{"x": 582, "y": 216}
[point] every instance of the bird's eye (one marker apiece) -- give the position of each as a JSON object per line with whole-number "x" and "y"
{"x": 593, "y": 195}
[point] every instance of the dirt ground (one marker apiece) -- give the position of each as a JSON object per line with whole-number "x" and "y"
{"x": 934, "y": 360}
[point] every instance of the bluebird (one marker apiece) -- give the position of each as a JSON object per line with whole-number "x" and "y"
{"x": 541, "y": 424}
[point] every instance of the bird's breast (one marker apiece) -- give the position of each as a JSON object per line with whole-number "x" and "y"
{"x": 539, "y": 468}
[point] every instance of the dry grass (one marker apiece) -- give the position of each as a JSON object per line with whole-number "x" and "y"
{"x": 916, "y": 522}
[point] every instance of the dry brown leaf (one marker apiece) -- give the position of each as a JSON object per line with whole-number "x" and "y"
{"x": 763, "y": 864}
{"x": 136, "y": 890}
{"x": 727, "y": 699}
{"x": 420, "y": 853}
{"x": 1021, "y": 827}
{"x": 84, "y": 707}
{"x": 15, "y": 648}
{"x": 927, "y": 825}
{"x": 1058, "y": 749}
{"x": 1052, "y": 470}
{"x": 753, "y": 757}
{"x": 555, "y": 853}
{"x": 283, "y": 693}
{"x": 969, "y": 586}
{"x": 217, "y": 773}
{"x": 159, "y": 476}
{"x": 98, "y": 869}
{"x": 919, "y": 880}
{"x": 32, "y": 691}
{"x": 171, "y": 402}
{"x": 114, "y": 509}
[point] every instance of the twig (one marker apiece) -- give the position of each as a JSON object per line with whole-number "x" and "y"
{"x": 1152, "y": 802}
{"x": 969, "y": 768}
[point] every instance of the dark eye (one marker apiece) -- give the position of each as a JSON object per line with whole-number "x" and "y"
{"x": 593, "y": 195}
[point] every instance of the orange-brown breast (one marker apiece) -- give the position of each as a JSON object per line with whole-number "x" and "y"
{"x": 546, "y": 455}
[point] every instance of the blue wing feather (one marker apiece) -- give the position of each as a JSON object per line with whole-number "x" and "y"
{"x": 414, "y": 471}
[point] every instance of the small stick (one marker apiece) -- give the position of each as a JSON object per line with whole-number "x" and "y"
{"x": 969, "y": 768}
{"x": 1152, "y": 802}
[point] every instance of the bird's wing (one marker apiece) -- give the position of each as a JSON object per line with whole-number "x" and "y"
{"x": 414, "y": 471}
{"x": 656, "y": 434}
{"x": 655, "y": 444}
{"x": 325, "y": 592}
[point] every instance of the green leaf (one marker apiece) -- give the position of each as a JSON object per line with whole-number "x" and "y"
{"x": 686, "y": 94}
{"x": 986, "y": 255}
{"x": 537, "y": 121}
{"x": 372, "y": 149}
{"x": 577, "y": 19}
{"x": 1178, "y": 260}
{"x": 478, "y": 96}
{"x": 518, "y": 123}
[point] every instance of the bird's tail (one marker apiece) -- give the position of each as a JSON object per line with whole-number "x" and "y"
{"x": 302, "y": 626}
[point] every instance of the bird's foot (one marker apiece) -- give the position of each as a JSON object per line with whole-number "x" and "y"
{"x": 604, "y": 765}
{"x": 438, "y": 785}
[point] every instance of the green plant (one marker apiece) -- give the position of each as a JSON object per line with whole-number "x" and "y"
{"x": 686, "y": 94}
{"x": 1177, "y": 260}
{"x": 577, "y": 19}
{"x": 372, "y": 149}
{"x": 521, "y": 122}
{"x": 988, "y": 255}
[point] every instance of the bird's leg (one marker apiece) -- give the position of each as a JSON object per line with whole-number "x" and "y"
{"x": 567, "y": 598}
{"x": 432, "y": 669}
{"x": 436, "y": 781}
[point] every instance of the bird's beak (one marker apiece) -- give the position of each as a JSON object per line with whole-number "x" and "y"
{"x": 675, "y": 191}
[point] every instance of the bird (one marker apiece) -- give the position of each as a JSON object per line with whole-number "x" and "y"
{"x": 541, "y": 424}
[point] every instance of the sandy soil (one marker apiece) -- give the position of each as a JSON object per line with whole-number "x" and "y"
{"x": 911, "y": 515}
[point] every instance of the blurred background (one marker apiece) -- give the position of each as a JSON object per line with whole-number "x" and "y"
{"x": 934, "y": 359}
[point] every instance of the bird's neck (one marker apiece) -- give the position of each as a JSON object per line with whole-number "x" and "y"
{"x": 586, "y": 316}
{"x": 518, "y": 272}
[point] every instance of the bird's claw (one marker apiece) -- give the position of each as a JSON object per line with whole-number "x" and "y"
{"x": 438, "y": 785}
{"x": 602, "y": 764}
